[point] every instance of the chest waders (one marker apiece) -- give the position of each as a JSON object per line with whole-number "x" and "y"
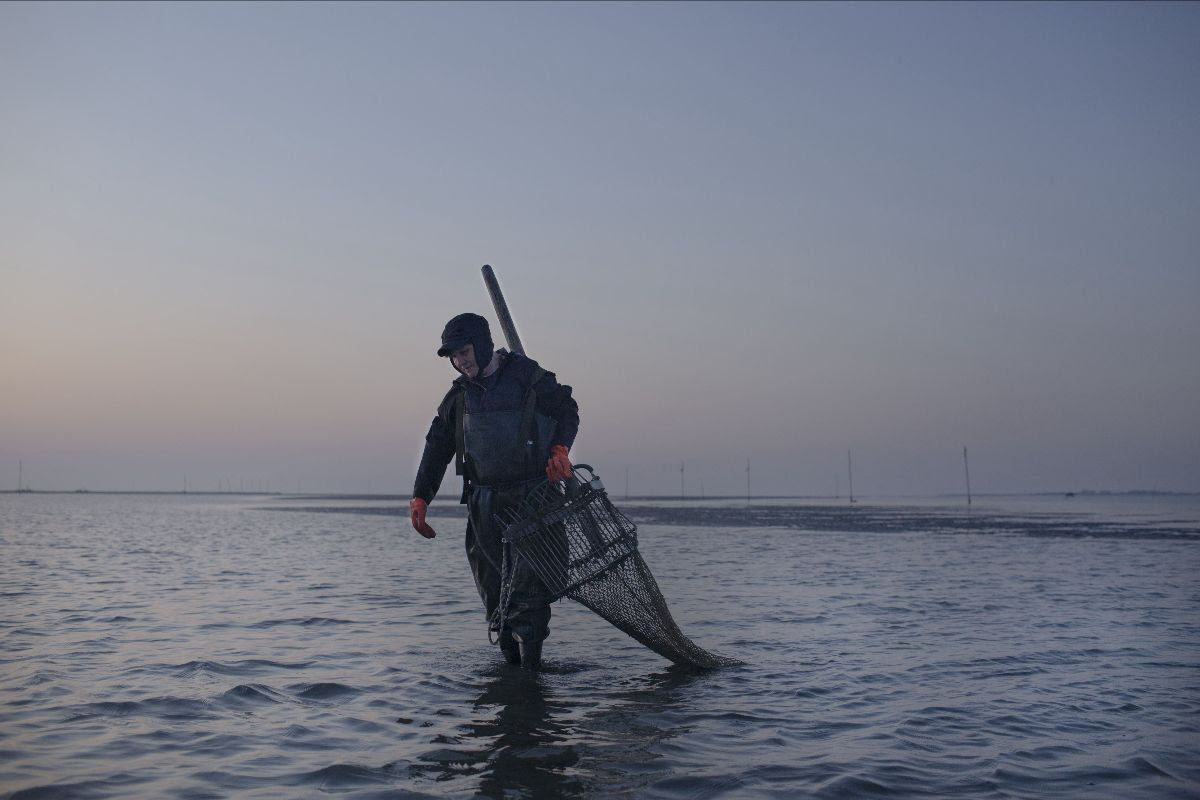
{"x": 502, "y": 453}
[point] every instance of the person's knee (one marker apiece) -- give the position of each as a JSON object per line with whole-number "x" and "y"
{"x": 532, "y": 625}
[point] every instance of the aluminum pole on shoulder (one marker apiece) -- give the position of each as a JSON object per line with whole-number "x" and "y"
{"x": 502, "y": 316}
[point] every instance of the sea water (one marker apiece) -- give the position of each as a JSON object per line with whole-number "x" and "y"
{"x": 223, "y": 646}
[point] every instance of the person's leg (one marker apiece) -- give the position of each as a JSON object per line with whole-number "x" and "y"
{"x": 485, "y": 555}
{"x": 509, "y": 646}
{"x": 528, "y": 611}
{"x": 529, "y": 616}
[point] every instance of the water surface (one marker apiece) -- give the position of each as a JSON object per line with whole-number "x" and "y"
{"x": 194, "y": 647}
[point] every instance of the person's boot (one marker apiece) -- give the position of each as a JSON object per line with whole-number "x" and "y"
{"x": 531, "y": 656}
{"x": 509, "y": 647}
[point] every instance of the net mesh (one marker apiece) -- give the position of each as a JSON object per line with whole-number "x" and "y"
{"x": 582, "y": 547}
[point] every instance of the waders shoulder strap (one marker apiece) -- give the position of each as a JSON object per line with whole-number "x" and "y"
{"x": 460, "y": 408}
{"x": 528, "y": 417}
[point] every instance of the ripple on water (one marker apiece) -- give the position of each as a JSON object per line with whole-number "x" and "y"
{"x": 1047, "y": 753}
{"x": 245, "y": 695}
{"x": 250, "y": 666}
{"x": 266, "y": 624}
{"x": 1128, "y": 773}
{"x": 172, "y": 708}
{"x": 76, "y": 790}
{"x": 346, "y": 776}
{"x": 323, "y": 691}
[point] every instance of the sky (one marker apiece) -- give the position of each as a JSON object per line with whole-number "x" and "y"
{"x": 771, "y": 232}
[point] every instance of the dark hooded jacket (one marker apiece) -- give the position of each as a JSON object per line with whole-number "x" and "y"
{"x": 507, "y": 389}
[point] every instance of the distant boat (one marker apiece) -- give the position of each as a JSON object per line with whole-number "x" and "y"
{"x": 1069, "y": 494}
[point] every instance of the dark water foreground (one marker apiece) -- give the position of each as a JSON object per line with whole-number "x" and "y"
{"x": 183, "y": 647}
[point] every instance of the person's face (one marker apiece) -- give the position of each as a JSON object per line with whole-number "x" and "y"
{"x": 463, "y": 360}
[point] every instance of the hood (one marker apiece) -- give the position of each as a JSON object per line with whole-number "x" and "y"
{"x": 468, "y": 329}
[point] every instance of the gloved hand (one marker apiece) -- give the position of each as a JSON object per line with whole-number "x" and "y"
{"x": 416, "y": 511}
{"x": 558, "y": 467}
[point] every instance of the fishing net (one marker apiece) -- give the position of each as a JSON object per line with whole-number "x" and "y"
{"x": 580, "y": 546}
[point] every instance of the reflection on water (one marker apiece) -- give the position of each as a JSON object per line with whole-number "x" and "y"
{"x": 631, "y": 729}
{"x": 516, "y": 741}
{"x": 527, "y": 739}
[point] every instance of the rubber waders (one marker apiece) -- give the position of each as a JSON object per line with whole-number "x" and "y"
{"x": 531, "y": 656}
{"x": 509, "y": 647}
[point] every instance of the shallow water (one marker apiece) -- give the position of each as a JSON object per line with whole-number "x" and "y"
{"x": 194, "y": 647}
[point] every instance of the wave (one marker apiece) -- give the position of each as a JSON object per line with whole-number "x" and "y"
{"x": 1133, "y": 770}
{"x": 173, "y": 708}
{"x": 343, "y": 776}
{"x": 250, "y": 666}
{"x": 323, "y": 691}
{"x": 250, "y": 694}
{"x": 79, "y": 790}
{"x": 307, "y": 622}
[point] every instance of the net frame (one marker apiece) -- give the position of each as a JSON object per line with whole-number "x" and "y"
{"x": 580, "y": 546}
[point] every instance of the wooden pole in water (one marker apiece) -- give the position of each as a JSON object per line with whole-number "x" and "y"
{"x": 850, "y": 473}
{"x": 681, "y": 493}
{"x": 967, "y": 470}
{"x": 502, "y": 316}
{"x": 747, "y": 480}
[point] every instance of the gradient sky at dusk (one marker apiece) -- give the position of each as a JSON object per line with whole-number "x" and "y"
{"x": 232, "y": 234}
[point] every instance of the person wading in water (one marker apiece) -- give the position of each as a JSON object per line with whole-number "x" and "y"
{"x": 509, "y": 424}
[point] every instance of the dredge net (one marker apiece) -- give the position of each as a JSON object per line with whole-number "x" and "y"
{"x": 580, "y": 546}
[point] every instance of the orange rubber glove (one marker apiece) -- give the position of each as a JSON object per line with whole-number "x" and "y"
{"x": 558, "y": 467}
{"x": 416, "y": 511}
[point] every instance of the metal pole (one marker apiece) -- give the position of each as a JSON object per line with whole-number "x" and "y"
{"x": 502, "y": 316}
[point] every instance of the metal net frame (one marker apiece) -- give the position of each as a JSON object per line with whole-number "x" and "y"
{"x": 580, "y": 546}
